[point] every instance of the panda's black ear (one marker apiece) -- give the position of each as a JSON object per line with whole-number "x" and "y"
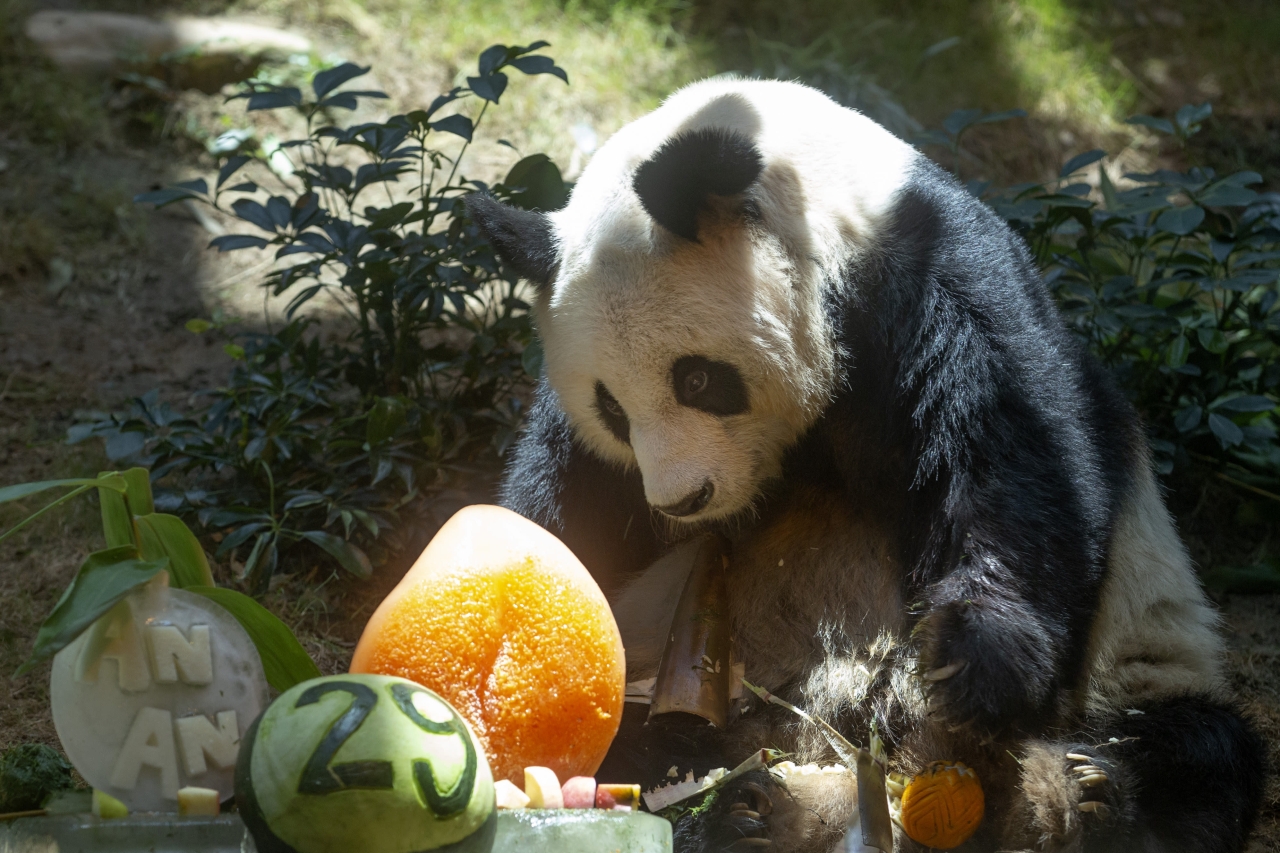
{"x": 523, "y": 238}
{"x": 674, "y": 183}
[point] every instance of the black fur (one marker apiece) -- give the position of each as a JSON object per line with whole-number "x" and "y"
{"x": 970, "y": 423}
{"x": 598, "y": 510}
{"x": 611, "y": 414}
{"x": 1189, "y": 773}
{"x": 522, "y": 237}
{"x": 674, "y": 183}
{"x": 723, "y": 393}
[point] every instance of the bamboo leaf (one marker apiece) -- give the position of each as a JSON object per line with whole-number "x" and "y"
{"x": 103, "y": 580}
{"x": 284, "y": 660}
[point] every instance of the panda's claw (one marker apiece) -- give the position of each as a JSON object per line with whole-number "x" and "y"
{"x": 1075, "y": 756}
{"x": 744, "y": 812}
{"x": 1092, "y": 779}
{"x": 1095, "y": 807}
{"x": 1087, "y": 768}
{"x": 764, "y": 805}
{"x": 942, "y": 673}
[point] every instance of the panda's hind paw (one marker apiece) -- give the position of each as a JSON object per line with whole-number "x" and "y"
{"x": 740, "y": 819}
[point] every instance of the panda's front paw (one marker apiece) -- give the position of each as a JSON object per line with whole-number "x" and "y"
{"x": 986, "y": 666}
{"x": 1096, "y": 784}
{"x": 740, "y": 819}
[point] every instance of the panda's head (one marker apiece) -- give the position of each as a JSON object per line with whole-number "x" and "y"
{"x": 682, "y": 294}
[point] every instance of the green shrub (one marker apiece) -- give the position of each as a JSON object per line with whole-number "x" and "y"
{"x": 1172, "y": 283}
{"x": 322, "y": 443}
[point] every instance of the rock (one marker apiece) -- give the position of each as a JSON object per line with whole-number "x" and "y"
{"x": 196, "y": 52}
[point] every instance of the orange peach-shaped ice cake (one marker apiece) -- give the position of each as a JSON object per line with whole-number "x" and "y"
{"x": 502, "y": 620}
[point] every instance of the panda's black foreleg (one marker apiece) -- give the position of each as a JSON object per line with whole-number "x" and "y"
{"x": 1183, "y": 774}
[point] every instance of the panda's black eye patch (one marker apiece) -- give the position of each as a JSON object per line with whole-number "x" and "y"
{"x": 711, "y": 386}
{"x": 611, "y": 414}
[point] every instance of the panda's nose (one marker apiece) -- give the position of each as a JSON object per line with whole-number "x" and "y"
{"x": 690, "y": 503}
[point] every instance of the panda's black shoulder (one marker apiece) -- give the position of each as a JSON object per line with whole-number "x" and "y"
{"x": 947, "y": 321}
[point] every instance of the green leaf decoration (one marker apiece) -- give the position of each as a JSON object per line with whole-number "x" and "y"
{"x": 285, "y": 661}
{"x": 117, "y": 524}
{"x": 138, "y": 491}
{"x": 22, "y": 490}
{"x": 13, "y": 493}
{"x": 164, "y": 535}
{"x": 104, "y": 579}
{"x": 349, "y": 556}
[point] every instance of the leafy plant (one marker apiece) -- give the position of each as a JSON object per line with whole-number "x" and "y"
{"x": 324, "y": 444}
{"x": 141, "y": 543}
{"x": 1172, "y": 282}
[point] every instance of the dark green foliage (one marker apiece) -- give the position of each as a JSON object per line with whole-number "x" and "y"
{"x": 29, "y": 773}
{"x": 323, "y": 442}
{"x": 1172, "y": 283}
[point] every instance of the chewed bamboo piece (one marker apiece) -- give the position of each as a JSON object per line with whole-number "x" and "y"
{"x": 677, "y": 792}
{"x": 871, "y": 823}
{"x": 847, "y": 751}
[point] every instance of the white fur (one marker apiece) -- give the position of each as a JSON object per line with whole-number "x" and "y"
{"x": 631, "y": 298}
{"x": 1155, "y": 634}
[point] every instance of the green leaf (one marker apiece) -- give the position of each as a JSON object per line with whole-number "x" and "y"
{"x": 539, "y": 182}
{"x": 198, "y": 326}
{"x": 1228, "y": 434}
{"x": 1178, "y": 351}
{"x": 349, "y": 556}
{"x": 1213, "y": 340}
{"x": 1162, "y": 125}
{"x": 1109, "y": 195}
{"x": 117, "y": 526}
{"x": 284, "y": 660}
{"x": 1181, "y": 220}
{"x": 531, "y": 359}
{"x": 385, "y": 418}
{"x": 1244, "y": 404}
{"x": 1079, "y": 161}
{"x": 104, "y": 579}
{"x": 22, "y": 490}
{"x": 1187, "y": 419}
{"x": 168, "y": 536}
{"x": 458, "y": 125}
{"x": 138, "y": 491}
{"x": 326, "y": 81}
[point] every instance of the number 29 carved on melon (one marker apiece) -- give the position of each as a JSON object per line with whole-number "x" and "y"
{"x": 364, "y": 762}
{"x": 321, "y": 776}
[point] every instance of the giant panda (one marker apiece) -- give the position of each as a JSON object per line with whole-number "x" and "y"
{"x": 764, "y": 315}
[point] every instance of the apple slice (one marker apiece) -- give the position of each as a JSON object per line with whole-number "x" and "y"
{"x": 543, "y": 788}
{"x": 509, "y": 796}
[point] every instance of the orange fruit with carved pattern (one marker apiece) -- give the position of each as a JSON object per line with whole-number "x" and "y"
{"x": 942, "y": 806}
{"x": 502, "y": 620}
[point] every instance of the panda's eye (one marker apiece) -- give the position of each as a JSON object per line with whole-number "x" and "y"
{"x": 714, "y": 387}
{"x": 612, "y": 414}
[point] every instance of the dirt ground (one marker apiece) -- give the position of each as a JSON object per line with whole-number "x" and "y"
{"x": 114, "y": 329}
